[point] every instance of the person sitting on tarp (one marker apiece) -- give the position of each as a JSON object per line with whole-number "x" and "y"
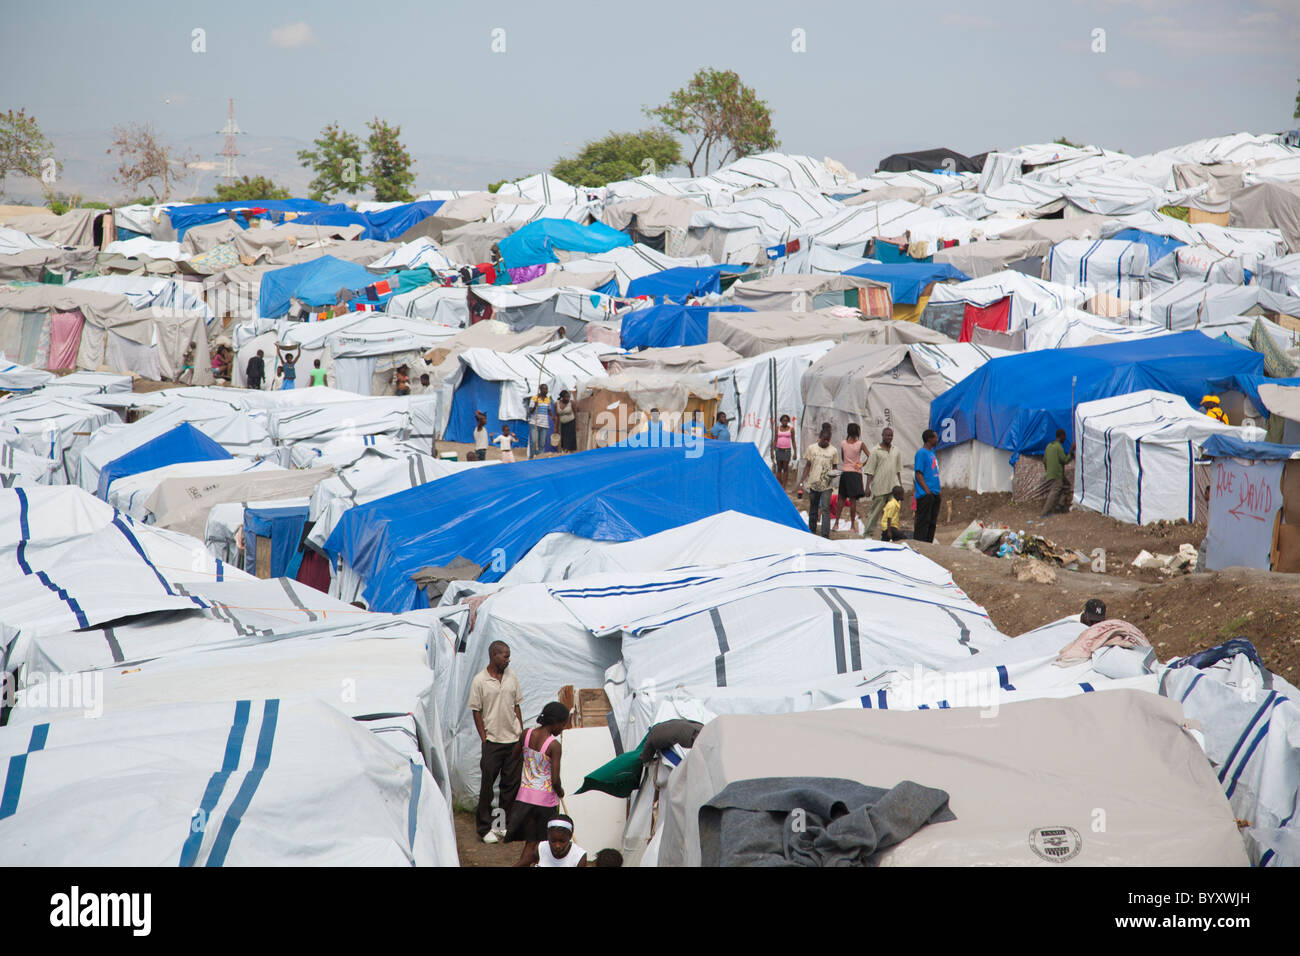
{"x": 1211, "y": 407}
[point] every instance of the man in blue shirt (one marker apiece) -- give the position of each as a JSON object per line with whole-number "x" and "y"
{"x": 655, "y": 431}
{"x": 926, "y": 469}
{"x": 719, "y": 431}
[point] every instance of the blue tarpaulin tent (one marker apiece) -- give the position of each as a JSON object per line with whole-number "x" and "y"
{"x": 283, "y": 526}
{"x": 1249, "y": 385}
{"x": 664, "y": 326}
{"x": 493, "y": 516}
{"x": 315, "y": 283}
{"x": 182, "y": 443}
{"x": 907, "y": 280}
{"x": 478, "y": 394}
{"x": 185, "y": 218}
{"x": 675, "y": 285}
{"x": 536, "y": 242}
{"x": 1017, "y": 402}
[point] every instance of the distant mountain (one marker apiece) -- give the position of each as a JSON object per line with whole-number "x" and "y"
{"x": 88, "y": 168}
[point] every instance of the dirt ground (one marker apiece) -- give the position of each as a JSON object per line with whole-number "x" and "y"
{"x": 474, "y": 852}
{"x": 1179, "y": 613}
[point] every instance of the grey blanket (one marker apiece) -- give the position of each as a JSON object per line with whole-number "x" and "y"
{"x": 813, "y": 821}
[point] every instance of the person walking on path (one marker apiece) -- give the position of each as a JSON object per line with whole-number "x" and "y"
{"x": 540, "y": 791}
{"x": 494, "y": 700}
{"x": 925, "y": 467}
{"x": 1055, "y": 461}
{"x": 884, "y": 470}
{"x": 539, "y": 421}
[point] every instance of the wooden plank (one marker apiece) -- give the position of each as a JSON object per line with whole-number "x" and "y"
{"x": 263, "y": 549}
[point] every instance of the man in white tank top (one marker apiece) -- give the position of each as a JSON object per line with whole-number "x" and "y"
{"x": 559, "y": 848}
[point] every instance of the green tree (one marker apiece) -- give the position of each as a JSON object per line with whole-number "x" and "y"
{"x": 1062, "y": 141}
{"x": 22, "y": 146}
{"x": 620, "y": 156}
{"x": 146, "y": 161}
{"x": 390, "y": 164}
{"x": 715, "y": 110}
{"x": 336, "y": 161}
{"x": 246, "y": 188}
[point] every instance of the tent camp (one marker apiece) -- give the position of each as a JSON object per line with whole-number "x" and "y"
{"x": 616, "y": 408}
{"x": 184, "y": 443}
{"x": 1136, "y": 456}
{"x": 806, "y": 293}
{"x": 664, "y": 326}
{"x": 753, "y": 333}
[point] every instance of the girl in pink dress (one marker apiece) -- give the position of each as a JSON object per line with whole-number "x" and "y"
{"x": 540, "y": 792}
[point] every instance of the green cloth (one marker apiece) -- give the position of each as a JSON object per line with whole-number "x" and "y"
{"x": 620, "y": 777}
{"x": 318, "y": 376}
{"x": 1054, "y": 461}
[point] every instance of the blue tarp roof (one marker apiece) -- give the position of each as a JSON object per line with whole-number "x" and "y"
{"x": 186, "y": 217}
{"x": 664, "y": 326}
{"x": 536, "y": 242}
{"x": 677, "y": 284}
{"x": 1157, "y": 246}
{"x": 1249, "y": 385}
{"x": 493, "y": 516}
{"x": 384, "y": 224}
{"x": 182, "y": 443}
{"x": 907, "y": 280}
{"x": 1017, "y": 402}
{"x": 1228, "y": 446}
{"x": 315, "y": 283}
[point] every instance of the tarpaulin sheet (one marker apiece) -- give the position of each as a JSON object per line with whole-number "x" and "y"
{"x": 994, "y": 318}
{"x": 1228, "y": 446}
{"x": 382, "y": 224}
{"x": 1017, "y": 402}
{"x": 185, "y": 217}
{"x": 1249, "y": 385}
{"x": 537, "y": 241}
{"x": 907, "y": 280}
{"x": 315, "y": 283}
{"x": 182, "y": 443}
{"x": 665, "y": 326}
{"x": 477, "y": 394}
{"x": 283, "y": 525}
{"x": 493, "y": 516}
{"x": 678, "y": 283}
{"x": 1157, "y": 246}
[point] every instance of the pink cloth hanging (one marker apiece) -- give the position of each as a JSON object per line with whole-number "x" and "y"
{"x": 526, "y": 273}
{"x": 65, "y": 338}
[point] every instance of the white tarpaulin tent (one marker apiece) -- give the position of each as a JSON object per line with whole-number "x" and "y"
{"x": 1112, "y": 266}
{"x": 1135, "y": 455}
{"x": 1065, "y": 758}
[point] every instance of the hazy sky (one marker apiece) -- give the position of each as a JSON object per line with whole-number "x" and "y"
{"x": 875, "y": 78}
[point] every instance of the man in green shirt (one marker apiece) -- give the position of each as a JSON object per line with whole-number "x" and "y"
{"x": 1055, "y": 461}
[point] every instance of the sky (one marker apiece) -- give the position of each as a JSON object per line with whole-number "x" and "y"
{"x": 527, "y": 83}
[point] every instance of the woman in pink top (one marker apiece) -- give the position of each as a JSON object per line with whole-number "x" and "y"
{"x": 851, "y": 454}
{"x": 784, "y": 450}
{"x": 539, "y": 787}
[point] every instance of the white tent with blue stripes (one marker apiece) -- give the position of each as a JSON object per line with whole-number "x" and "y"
{"x": 1107, "y": 266}
{"x": 1135, "y": 455}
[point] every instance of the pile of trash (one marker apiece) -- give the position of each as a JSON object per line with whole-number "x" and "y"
{"x": 1185, "y": 560}
{"x": 1003, "y": 542}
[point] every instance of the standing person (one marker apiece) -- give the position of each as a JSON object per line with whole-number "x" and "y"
{"x": 654, "y": 431}
{"x": 317, "y": 375}
{"x": 926, "y": 468}
{"x": 288, "y": 367}
{"x": 494, "y": 700}
{"x": 784, "y": 450}
{"x": 889, "y": 528}
{"x": 402, "y": 381}
{"x": 255, "y": 372}
{"x": 539, "y": 421}
{"x": 187, "y": 363}
{"x": 719, "y": 431}
{"x": 884, "y": 470}
{"x": 506, "y": 442}
{"x": 567, "y": 415}
{"x": 818, "y": 463}
{"x": 480, "y": 436}
{"x": 540, "y": 790}
{"x": 851, "y": 455}
{"x": 1210, "y": 406}
{"x": 558, "y": 849}
{"x": 1055, "y": 461}
{"x": 695, "y": 427}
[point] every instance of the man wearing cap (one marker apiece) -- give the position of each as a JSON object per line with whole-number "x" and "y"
{"x": 1210, "y": 406}
{"x": 1094, "y": 612}
{"x": 494, "y": 699}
